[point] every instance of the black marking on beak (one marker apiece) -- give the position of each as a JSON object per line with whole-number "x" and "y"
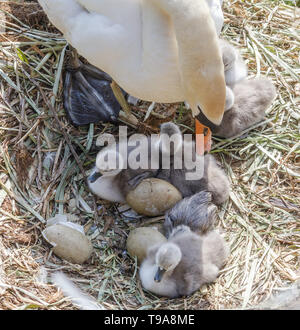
{"x": 95, "y": 176}
{"x": 205, "y": 121}
{"x": 159, "y": 274}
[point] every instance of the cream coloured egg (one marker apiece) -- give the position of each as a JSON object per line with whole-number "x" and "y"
{"x": 68, "y": 242}
{"x": 140, "y": 239}
{"x": 153, "y": 197}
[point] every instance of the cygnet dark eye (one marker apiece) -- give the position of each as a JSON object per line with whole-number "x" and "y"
{"x": 170, "y": 217}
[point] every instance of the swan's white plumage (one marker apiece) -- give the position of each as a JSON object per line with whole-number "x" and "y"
{"x": 156, "y": 50}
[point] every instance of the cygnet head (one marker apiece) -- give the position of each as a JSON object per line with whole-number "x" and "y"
{"x": 229, "y": 55}
{"x": 109, "y": 163}
{"x": 170, "y": 138}
{"x": 167, "y": 258}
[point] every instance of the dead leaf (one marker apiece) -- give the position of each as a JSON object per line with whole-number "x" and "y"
{"x": 109, "y": 221}
{"x": 23, "y": 163}
{"x": 281, "y": 203}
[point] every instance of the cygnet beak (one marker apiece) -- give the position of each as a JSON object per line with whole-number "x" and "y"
{"x": 159, "y": 274}
{"x": 94, "y": 176}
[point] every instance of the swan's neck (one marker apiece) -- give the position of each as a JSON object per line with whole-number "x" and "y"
{"x": 200, "y": 60}
{"x": 157, "y": 26}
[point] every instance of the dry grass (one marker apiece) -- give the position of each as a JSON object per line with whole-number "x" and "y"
{"x": 40, "y": 176}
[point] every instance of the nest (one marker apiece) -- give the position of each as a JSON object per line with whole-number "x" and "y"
{"x": 44, "y": 159}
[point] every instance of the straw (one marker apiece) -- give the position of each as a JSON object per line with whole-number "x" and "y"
{"x": 44, "y": 160}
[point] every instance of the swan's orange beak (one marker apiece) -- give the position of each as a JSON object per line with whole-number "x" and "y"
{"x": 203, "y": 138}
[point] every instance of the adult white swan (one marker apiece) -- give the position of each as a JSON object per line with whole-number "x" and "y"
{"x": 156, "y": 50}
